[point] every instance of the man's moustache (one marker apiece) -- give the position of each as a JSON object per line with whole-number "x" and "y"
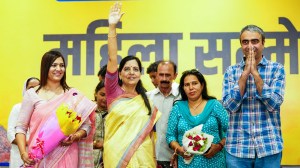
{"x": 166, "y": 82}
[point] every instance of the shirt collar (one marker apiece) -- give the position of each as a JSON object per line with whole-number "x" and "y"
{"x": 174, "y": 90}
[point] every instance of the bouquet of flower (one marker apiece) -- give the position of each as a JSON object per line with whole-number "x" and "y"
{"x": 57, "y": 128}
{"x": 196, "y": 142}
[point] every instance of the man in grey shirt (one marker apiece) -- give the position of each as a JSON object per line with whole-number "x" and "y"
{"x": 163, "y": 97}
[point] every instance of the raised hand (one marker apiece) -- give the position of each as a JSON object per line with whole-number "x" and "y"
{"x": 115, "y": 13}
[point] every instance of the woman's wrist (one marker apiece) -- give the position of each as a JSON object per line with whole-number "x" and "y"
{"x": 78, "y": 136}
{"x": 178, "y": 151}
{"x": 111, "y": 35}
{"x": 175, "y": 153}
{"x": 221, "y": 146}
{"x": 22, "y": 154}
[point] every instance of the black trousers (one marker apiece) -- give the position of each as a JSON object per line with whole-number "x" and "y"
{"x": 163, "y": 164}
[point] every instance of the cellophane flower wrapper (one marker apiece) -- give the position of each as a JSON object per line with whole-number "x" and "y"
{"x": 58, "y": 127}
{"x": 196, "y": 142}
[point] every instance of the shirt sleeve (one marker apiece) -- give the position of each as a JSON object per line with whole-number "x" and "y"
{"x": 86, "y": 126}
{"x": 12, "y": 120}
{"x": 273, "y": 92}
{"x": 26, "y": 111}
{"x": 232, "y": 99}
{"x": 222, "y": 117}
{"x": 112, "y": 88}
{"x": 172, "y": 130}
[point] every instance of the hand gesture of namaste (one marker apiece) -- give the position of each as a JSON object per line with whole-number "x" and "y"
{"x": 250, "y": 62}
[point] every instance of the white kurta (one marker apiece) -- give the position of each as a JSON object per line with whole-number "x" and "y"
{"x": 15, "y": 159}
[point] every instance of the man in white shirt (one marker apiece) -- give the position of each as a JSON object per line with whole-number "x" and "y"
{"x": 163, "y": 97}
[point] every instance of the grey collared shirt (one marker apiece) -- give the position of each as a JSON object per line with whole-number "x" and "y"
{"x": 164, "y": 104}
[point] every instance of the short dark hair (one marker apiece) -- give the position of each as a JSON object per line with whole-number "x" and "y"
{"x": 254, "y": 28}
{"x": 100, "y": 85}
{"x": 163, "y": 62}
{"x": 102, "y": 71}
{"x": 153, "y": 67}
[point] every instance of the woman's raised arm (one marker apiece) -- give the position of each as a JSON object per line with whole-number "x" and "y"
{"x": 115, "y": 15}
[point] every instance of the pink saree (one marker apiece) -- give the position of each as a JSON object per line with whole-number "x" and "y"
{"x": 40, "y": 115}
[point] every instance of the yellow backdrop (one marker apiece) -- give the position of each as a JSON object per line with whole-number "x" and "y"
{"x": 30, "y": 28}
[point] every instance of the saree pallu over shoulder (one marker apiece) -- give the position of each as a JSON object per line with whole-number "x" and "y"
{"x": 127, "y": 141}
{"x": 73, "y": 101}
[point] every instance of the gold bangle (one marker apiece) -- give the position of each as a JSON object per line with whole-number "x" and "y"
{"x": 112, "y": 36}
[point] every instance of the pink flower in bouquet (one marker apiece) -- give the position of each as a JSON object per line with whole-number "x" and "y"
{"x": 197, "y": 138}
{"x": 197, "y": 141}
{"x": 190, "y": 137}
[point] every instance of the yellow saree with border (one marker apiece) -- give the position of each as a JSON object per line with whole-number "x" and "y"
{"x": 127, "y": 141}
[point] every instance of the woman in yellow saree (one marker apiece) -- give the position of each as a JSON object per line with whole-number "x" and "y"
{"x": 131, "y": 118}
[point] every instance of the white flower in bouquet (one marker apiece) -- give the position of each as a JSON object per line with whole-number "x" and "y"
{"x": 196, "y": 142}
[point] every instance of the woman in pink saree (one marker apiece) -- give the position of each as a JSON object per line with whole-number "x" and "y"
{"x": 60, "y": 119}
{"x": 131, "y": 118}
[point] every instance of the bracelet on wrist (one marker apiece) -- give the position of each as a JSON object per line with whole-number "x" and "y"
{"x": 221, "y": 145}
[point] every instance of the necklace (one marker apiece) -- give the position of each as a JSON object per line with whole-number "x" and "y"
{"x": 50, "y": 94}
{"x": 129, "y": 92}
{"x": 194, "y": 108}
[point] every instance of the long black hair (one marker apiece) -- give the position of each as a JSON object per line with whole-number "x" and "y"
{"x": 47, "y": 60}
{"x": 139, "y": 86}
{"x": 200, "y": 78}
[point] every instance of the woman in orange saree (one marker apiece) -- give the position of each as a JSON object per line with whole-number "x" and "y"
{"x": 42, "y": 111}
